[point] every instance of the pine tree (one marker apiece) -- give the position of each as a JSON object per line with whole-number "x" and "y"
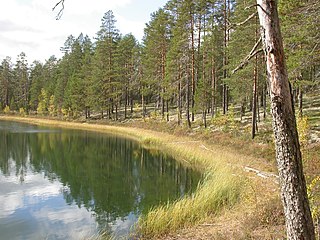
{"x": 104, "y": 75}
{"x": 154, "y": 56}
{"x": 37, "y": 83}
{"x": 127, "y": 67}
{"x": 87, "y": 66}
{"x": 22, "y": 83}
{"x": 63, "y": 75}
{"x": 74, "y": 92}
{"x": 6, "y": 87}
{"x": 248, "y": 79}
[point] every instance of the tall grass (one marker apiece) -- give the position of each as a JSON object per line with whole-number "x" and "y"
{"x": 219, "y": 189}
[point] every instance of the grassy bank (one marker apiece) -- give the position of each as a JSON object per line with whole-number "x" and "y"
{"x": 219, "y": 190}
{"x": 221, "y": 187}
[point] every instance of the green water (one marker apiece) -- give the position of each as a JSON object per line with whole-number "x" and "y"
{"x": 67, "y": 184}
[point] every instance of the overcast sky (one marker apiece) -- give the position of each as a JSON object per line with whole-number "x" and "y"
{"x": 29, "y": 25}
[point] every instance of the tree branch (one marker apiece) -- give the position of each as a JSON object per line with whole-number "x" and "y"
{"x": 60, "y": 13}
{"x": 252, "y": 53}
{"x": 258, "y": 5}
{"x": 243, "y": 22}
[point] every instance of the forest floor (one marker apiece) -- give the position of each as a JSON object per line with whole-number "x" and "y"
{"x": 259, "y": 214}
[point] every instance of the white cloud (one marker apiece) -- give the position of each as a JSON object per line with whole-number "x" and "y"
{"x": 128, "y": 26}
{"x": 58, "y": 221}
{"x": 9, "y": 204}
{"x": 30, "y": 26}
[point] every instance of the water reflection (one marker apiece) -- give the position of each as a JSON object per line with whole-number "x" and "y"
{"x": 63, "y": 184}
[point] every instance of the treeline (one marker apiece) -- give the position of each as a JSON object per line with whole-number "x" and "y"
{"x": 196, "y": 57}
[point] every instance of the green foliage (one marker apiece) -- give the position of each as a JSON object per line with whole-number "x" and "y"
{"x": 52, "y": 108}
{"x": 43, "y": 102}
{"x": 313, "y": 189}
{"x": 66, "y": 112}
{"x": 6, "y": 110}
{"x": 22, "y": 82}
{"x": 303, "y": 128}
{"x": 22, "y": 112}
{"x": 226, "y": 122}
{"x": 219, "y": 120}
{"x": 154, "y": 115}
{"x": 232, "y": 118}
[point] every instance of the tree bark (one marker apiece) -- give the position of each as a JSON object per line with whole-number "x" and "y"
{"x": 264, "y": 102}
{"x": 225, "y": 57}
{"x": 300, "y": 97}
{"x": 126, "y": 103}
{"x": 188, "y": 103}
{"x": 254, "y": 103}
{"x": 193, "y": 62}
{"x": 142, "y": 104}
{"x": 213, "y": 87}
{"x": 179, "y": 98}
{"x": 299, "y": 222}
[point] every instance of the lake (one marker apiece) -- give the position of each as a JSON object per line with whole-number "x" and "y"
{"x": 72, "y": 184}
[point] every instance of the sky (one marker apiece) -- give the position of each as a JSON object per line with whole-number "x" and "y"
{"x": 30, "y": 26}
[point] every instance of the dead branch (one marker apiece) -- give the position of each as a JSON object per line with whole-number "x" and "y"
{"x": 232, "y": 25}
{"x": 258, "y": 5}
{"x": 254, "y": 51}
{"x": 60, "y": 13}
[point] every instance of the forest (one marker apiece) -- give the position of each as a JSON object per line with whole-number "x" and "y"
{"x": 197, "y": 58}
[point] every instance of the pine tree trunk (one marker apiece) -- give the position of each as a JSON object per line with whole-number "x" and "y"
{"x": 254, "y": 103}
{"x": 193, "y": 74}
{"x": 162, "y": 103}
{"x": 213, "y": 87}
{"x": 188, "y": 103}
{"x": 204, "y": 117}
{"x": 167, "y": 109}
{"x": 142, "y": 104}
{"x": 126, "y": 103}
{"x": 179, "y": 98}
{"x": 265, "y": 90}
{"x": 116, "y": 111}
{"x": 225, "y": 57}
{"x": 300, "y": 101}
{"x": 131, "y": 104}
{"x": 299, "y": 222}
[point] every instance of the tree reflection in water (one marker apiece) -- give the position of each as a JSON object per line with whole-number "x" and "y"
{"x": 112, "y": 177}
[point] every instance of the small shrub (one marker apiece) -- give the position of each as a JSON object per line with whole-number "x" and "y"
{"x": 231, "y": 119}
{"x": 303, "y": 128}
{"x": 52, "y": 109}
{"x": 22, "y": 112}
{"x": 154, "y": 115}
{"x": 219, "y": 120}
{"x": 41, "y": 109}
{"x": 314, "y": 197}
{"x": 137, "y": 108}
{"x": 6, "y": 110}
{"x": 66, "y": 112}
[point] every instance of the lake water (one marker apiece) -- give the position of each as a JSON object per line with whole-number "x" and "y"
{"x": 68, "y": 184}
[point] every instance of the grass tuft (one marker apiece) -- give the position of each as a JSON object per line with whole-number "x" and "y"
{"x": 219, "y": 189}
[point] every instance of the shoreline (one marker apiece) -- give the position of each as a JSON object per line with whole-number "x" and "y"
{"x": 207, "y": 203}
